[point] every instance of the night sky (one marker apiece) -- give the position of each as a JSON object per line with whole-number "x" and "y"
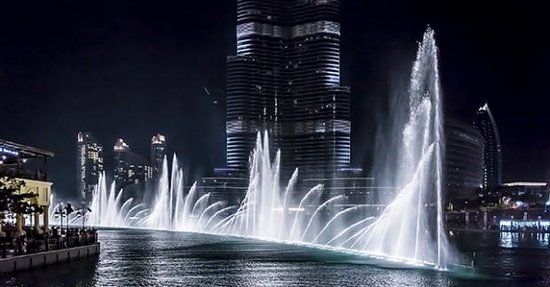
{"x": 133, "y": 68}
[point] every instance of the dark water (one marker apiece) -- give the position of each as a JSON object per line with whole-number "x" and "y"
{"x": 154, "y": 258}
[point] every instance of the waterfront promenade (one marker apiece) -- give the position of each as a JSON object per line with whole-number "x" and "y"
{"x": 24, "y": 252}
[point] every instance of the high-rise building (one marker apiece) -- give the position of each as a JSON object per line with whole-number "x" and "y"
{"x": 130, "y": 168}
{"x": 89, "y": 165}
{"x": 158, "y": 152}
{"x": 285, "y": 78}
{"x": 463, "y": 160}
{"x": 492, "y": 152}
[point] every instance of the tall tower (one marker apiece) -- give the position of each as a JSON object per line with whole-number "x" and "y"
{"x": 130, "y": 168}
{"x": 158, "y": 152}
{"x": 89, "y": 165}
{"x": 463, "y": 159}
{"x": 122, "y": 152}
{"x": 492, "y": 152}
{"x": 285, "y": 79}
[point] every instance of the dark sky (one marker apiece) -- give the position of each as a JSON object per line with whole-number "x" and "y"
{"x": 133, "y": 68}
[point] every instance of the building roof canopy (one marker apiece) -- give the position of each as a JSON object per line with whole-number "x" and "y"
{"x": 23, "y": 151}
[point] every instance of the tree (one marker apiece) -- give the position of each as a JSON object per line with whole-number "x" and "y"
{"x": 13, "y": 201}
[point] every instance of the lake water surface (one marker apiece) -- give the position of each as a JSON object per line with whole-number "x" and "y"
{"x": 158, "y": 258}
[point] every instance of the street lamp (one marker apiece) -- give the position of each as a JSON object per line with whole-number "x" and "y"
{"x": 68, "y": 210}
{"x": 60, "y": 213}
{"x": 31, "y": 215}
{"x": 57, "y": 214}
{"x": 64, "y": 214}
{"x": 80, "y": 214}
{"x": 84, "y": 218}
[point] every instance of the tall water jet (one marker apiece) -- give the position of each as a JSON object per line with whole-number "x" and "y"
{"x": 263, "y": 211}
{"x": 171, "y": 209}
{"x": 161, "y": 216}
{"x": 411, "y": 227}
{"x": 107, "y": 208}
{"x": 189, "y": 202}
{"x": 179, "y": 217}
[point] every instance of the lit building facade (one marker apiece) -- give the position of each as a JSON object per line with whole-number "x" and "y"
{"x": 492, "y": 152}
{"x": 158, "y": 153}
{"x": 285, "y": 78}
{"x": 30, "y": 165}
{"x": 89, "y": 165}
{"x": 463, "y": 159}
{"x": 130, "y": 168}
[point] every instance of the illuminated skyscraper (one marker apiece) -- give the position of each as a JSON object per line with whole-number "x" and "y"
{"x": 89, "y": 165}
{"x": 158, "y": 152}
{"x": 492, "y": 153}
{"x": 463, "y": 159}
{"x": 130, "y": 168}
{"x": 285, "y": 79}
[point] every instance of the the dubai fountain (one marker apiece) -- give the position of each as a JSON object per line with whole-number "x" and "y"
{"x": 409, "y": 230}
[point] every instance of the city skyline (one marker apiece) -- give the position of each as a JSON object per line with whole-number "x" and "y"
{"x": 42, "y": 79}
{"x": 274, "y": 142}
{"x": 129, "y": 168}
{"x": 91, "y": 156}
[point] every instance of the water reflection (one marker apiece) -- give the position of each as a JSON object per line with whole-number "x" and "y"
{"x": 524, "y": 240}
{"x": 77, "y": 273}
{"x": 154, "y": 258}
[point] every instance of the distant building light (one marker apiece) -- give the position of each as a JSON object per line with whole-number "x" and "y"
{"x": 510, "y": 225}
{"x": 505, "y": 223}
{"x": 521, "y": 204}
{"x": 120, "y": 145}
{"x": 158, "y": 139}
{"x": 531, "y": 184}
{"x": 484, "y": 108}
{"x": 8, "y": 151}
